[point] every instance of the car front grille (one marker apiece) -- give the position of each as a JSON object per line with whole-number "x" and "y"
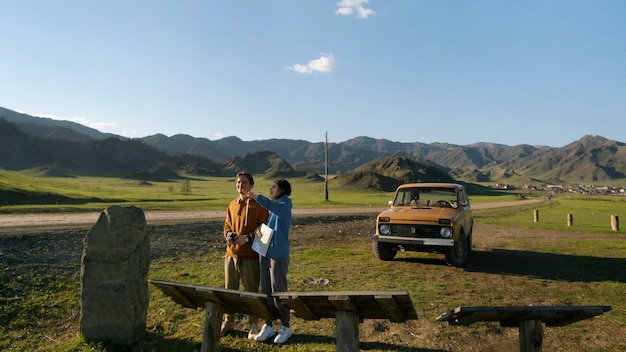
{"x": 423, "y": 231}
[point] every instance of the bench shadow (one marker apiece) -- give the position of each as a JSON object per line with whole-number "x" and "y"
{"x": 304, "y": 339}
{"x": 552, "y": 266}
{"x": 157, "y": 343}
{"x": 151, "y": 341}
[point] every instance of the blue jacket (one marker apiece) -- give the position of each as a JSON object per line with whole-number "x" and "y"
{"x": 280, "y": 221}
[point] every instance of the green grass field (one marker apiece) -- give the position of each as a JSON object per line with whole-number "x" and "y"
{"x": 22, "y": 192}
{"x": 588, "y": 213}
{"x": 579, "y": 265}
{"x": 36, "y": 194}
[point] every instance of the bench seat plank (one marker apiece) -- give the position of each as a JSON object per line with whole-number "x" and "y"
{"x": 232, "y": 301}
{"x": 511, "y": 316}
{"x": 395, "y": 306}
{"x": 389, "y": 305}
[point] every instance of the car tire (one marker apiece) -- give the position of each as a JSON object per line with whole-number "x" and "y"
{"x": 385, "y": 251}
{"x": 458, "y": 253}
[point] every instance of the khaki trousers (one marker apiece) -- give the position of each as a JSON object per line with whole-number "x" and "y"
{"x": 246, "y": 271}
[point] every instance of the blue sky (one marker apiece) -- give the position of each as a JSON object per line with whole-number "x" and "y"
{"x": 511, "y": 72}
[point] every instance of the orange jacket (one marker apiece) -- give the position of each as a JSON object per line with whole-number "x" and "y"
{"x": 242, "y": 217}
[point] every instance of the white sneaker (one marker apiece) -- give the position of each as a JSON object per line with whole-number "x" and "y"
{"x": 254, "y": 330}
{"x": 283, "y": 335}
{"x": 266, "y": 332}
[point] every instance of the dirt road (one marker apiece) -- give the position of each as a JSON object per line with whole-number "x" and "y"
{"x": 55, "y": 222}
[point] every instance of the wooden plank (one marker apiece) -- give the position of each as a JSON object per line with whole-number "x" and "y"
{"x": 342, "y": 303}
{"x": 232, "y": 301}
{"x": 566, "y": 319}
{"x": 343, "y": 293}
{"x": 209, "y": 295}
{"x": 260, "y": 307}
{"x": 308, "y": 305}
{"x": 530, "y": 336}
{"x": 178, "y": 296}
{"x": 514, "y": 318}
{"x": 317, "y": 305}
{"x": 511, "y": 316}
{"x": 347, "y": 331}
{"x": 389, "y": 306}
{"x": 301, "y": 309}
{"x": 212, "y": 322}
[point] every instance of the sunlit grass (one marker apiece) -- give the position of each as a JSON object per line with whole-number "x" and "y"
{"x": 588, "y": 213}
{"x": 52, "y": 293}
{"x": 203, "y": 193}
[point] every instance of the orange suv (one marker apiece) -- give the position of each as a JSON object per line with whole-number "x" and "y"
{"x": 426, "y": 217}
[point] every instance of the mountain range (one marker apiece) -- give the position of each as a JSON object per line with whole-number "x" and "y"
{"x": 56, "y": 147}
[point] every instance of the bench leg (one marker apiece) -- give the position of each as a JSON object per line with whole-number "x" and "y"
{"x": 347, "y": 331}
{"x": 212, "y": 324}
{"x": 530, "y": 336}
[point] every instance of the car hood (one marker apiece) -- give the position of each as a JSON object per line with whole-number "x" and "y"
{"x": 424, "y": 214}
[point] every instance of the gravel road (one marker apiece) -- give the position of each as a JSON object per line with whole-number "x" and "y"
{"x": 55, "y": 222}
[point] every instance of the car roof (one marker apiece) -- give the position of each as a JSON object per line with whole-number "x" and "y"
{"x": 431, "y": 185}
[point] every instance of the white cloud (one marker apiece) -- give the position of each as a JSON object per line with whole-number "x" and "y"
{"x": 348, "y": 7}
{"x": 326, "y": 63}
{"x": 83, "y": 121}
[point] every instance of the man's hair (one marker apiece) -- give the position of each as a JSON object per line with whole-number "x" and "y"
{"x": 246, "y": 175}
{"x": 283, "y": 186}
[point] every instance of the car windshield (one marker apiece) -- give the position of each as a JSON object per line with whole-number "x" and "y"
{"x": 427, "y": 197}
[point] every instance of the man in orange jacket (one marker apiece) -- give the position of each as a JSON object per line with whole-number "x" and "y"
{"x": 241, "y": 263}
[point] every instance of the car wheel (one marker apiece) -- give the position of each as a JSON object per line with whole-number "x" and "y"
{"x": 458, "y": 253}
{"x": 385, "y": 251}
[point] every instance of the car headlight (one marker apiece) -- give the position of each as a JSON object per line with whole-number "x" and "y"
{"x": 384, "y": 229}
{"x": 445, "y": 232}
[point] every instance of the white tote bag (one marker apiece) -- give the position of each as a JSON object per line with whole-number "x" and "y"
{"x": 262, "y": 244}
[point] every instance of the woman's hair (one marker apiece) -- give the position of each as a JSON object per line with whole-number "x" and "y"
{"x": 246, "y": 175}
{"x": 283, "y": 186}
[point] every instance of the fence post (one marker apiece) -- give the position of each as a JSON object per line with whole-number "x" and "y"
{"x": 614, "y": 222}
{"x": 536, "y": 215}
{"x": 570, "y": 219}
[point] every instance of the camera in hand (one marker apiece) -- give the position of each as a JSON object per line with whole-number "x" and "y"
{"x": 231, "y": 237}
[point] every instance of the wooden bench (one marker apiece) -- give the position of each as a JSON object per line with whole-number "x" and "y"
{"x": 217, "y": 301}
{"x": 527, "y": 318}
{"x": 347, "y": 308}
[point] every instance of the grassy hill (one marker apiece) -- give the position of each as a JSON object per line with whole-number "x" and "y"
{"x": 72, "y": 149}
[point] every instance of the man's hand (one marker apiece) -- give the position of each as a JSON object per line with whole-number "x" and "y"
{"x": 241, "y": 240}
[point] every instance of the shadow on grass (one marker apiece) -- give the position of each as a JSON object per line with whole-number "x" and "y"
{"x": 151, "y": 341}
{"x": 303, "y": 340}
{"x": 550, "y": 266}
{"x": 441, "y": 261}
{"x": 154, "y": 342}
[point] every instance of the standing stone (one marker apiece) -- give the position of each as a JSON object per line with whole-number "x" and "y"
{"x": 114, "y": 277}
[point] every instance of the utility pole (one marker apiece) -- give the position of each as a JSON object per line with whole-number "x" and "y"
{"x": 326, "y": 168}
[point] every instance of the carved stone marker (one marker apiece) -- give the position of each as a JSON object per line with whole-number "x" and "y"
{"x": 114, "y": 277}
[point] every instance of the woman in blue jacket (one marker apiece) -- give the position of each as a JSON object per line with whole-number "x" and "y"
{"x": 275, "y": 264}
